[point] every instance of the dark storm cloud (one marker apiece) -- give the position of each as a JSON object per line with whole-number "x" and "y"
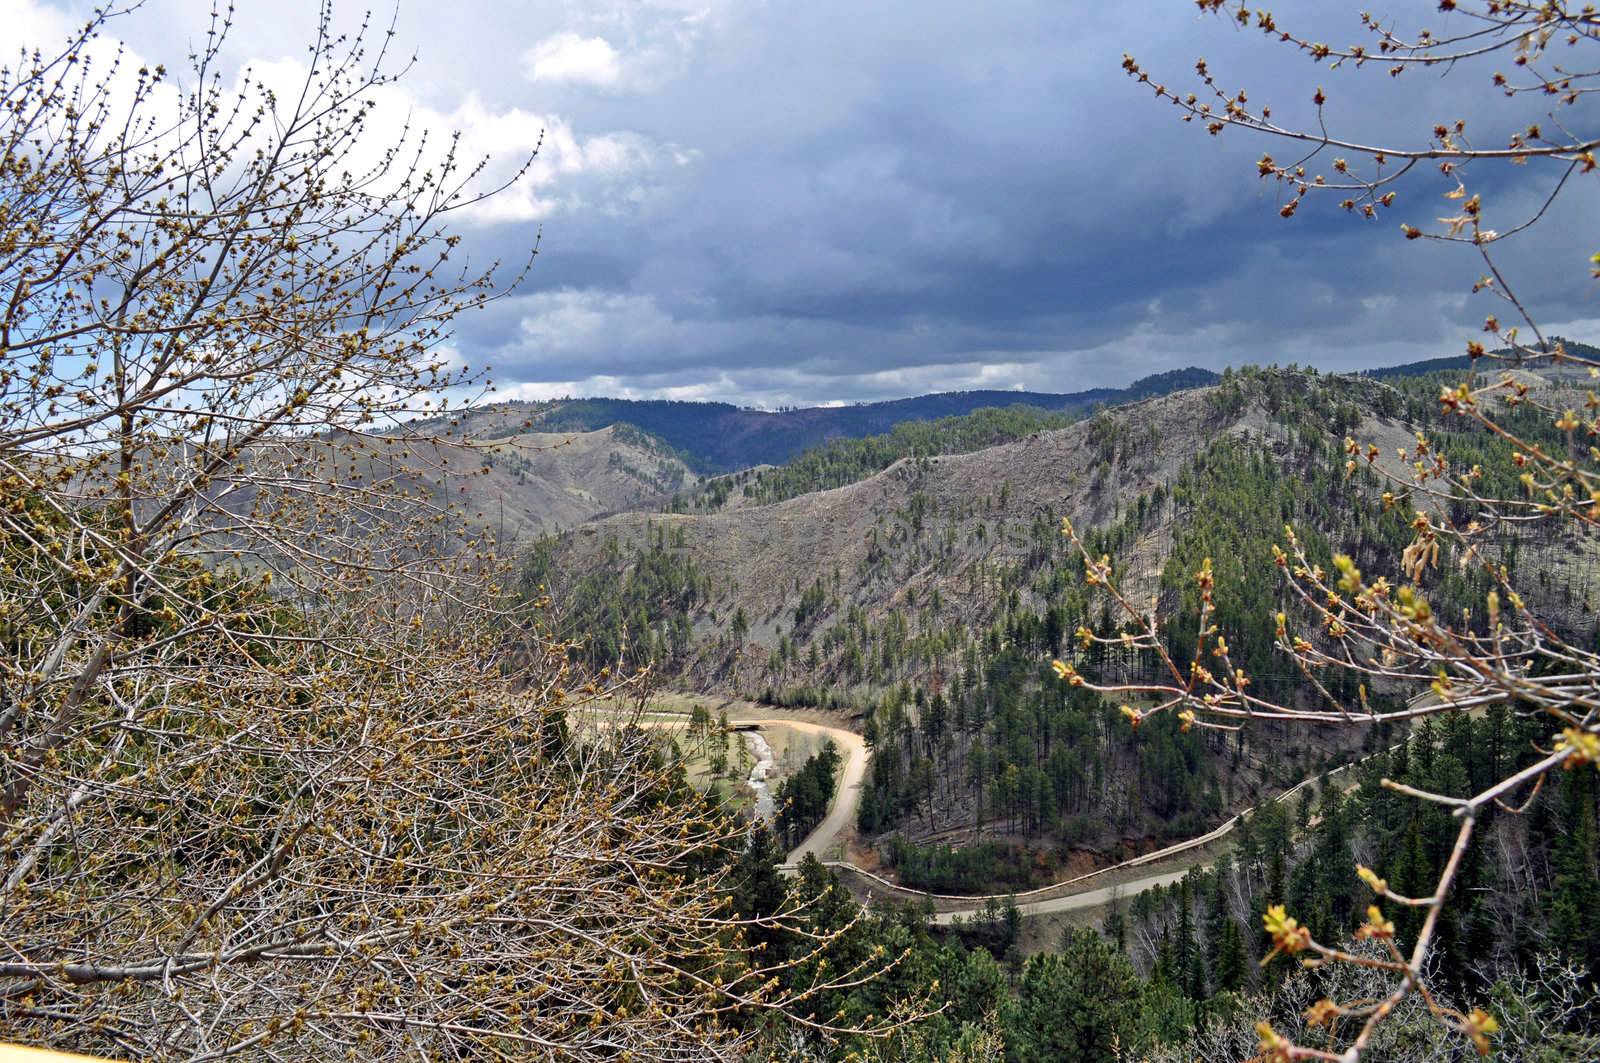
{"x": 797, "y": 202}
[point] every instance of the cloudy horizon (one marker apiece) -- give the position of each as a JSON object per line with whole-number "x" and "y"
{"x": 781, "y": 204}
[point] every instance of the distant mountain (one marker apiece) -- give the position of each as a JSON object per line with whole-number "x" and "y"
{"x": 1410, "y": 369}
{"x": 846, "y": 460}
{"x": 1462, "y": 362}
{"x": 719, "y": 437}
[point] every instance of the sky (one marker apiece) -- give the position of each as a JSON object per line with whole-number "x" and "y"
{"x": 776, "y": 202}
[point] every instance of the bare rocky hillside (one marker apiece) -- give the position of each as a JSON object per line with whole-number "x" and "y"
{"x": 527, "y": 484}
{"x": 952, "y": 529}
{"x": 930, "y": 597}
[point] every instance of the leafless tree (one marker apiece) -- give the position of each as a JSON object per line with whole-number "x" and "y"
{"x": 282, "y": 771}
{"x": 1383, "y": 628}
{"x": 1532, "y": 1003}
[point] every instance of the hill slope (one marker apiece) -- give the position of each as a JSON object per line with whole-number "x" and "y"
{"x": 931, "y": 596}
{"x": 521, "y": 485}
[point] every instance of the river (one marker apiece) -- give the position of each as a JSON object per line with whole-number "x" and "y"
{"x": 764, "y": 807}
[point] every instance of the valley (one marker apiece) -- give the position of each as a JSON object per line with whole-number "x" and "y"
{"x": 903, "y": 596}
{"x": 924, "y": 602}
{"x": 834, "y": 841}
{"x": 903, "y": 593}
{"x": 766, "y": 533}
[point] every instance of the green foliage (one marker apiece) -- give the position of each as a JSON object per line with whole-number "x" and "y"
{"x": 844, "y": 461}
{"x": 632, "y": 610}
{"x": 968, "y": 869}
{"x": 1231, "y": 505}
{"x": 811, "y": 604}
{"x": 1495, "y": 922}
{"x": 1077, "y": 1004}
{"x": 803, "y": 798}
{"x": 1086, "y": 999}
{"x": 1029, "y": 754}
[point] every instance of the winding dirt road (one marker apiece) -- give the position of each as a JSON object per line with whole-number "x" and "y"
{"x": 1074, "y": 902}
{"x": 829, "y": 841}
{"x": 829, "y": 836}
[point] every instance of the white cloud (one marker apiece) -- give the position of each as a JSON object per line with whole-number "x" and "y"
{"x": 609, "y": 172}
{"x": 30, "y": 25}
{"x": 567, "y": 58}
{"x": 570, "y": 320}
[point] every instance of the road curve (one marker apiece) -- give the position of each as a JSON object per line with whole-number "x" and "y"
{"x": 840, "y": 820}
{"x": 1190, "y": 852}
{"x": 1075, "y": 901}
{"x": 838, "y": 825}
{"x": 1072, "y": 894}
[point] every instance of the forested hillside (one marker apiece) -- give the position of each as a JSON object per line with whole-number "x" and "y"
{"x": 1201, "y": 935}
{"x": 845, "y": 461}
{"x": 932, "y": 596}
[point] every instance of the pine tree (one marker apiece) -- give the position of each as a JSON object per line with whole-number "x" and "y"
{"x": 759, "y": 889}
{"x": 1231, "y": 968}
{"x": 1072, "y": 1005}
{"x": 1575, "y": 909}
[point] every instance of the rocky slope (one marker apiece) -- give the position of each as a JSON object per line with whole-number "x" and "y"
{"x": 929, "y": 598}
{"x": 956, "y": 527}
{"x": 521, "y": 485}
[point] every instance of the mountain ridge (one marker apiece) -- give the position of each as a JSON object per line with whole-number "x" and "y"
{"x": 721, "y": 437}
{"x": 715, "y": 438}
{"x": 939, "y": 588}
